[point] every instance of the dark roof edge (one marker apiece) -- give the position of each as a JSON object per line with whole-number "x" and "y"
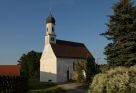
{"x": 71, "y": 57}
{"x": 59, "y": 40}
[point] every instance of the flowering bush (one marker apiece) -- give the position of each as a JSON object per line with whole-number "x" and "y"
{"x": 117, "y": 80}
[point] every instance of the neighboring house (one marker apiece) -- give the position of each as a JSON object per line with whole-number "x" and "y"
{"x": 59, "y": 57}
{"x": 9, "y": 70}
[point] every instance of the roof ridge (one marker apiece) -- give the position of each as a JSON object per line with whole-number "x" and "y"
{"x": 66, "y": 41}
{"x": 8, "y": 65}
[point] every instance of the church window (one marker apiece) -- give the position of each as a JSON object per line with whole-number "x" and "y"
{"x": 52, "y": 29}
{"x": 47, "y": 29}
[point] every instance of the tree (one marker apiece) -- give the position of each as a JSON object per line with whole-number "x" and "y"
{"x": 86, "y": 70}
{"x": 91, "y": 69}
{"x": 121, "y": 51}
{"x": 30, "y": 64}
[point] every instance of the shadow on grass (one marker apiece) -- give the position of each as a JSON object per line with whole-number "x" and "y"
{"x": 54, "y": 89}
{"x": 36, "y": 84}
{"x": 79, "y": 89}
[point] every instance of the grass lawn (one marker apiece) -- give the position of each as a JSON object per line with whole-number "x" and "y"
{"x": 36, "y": 86}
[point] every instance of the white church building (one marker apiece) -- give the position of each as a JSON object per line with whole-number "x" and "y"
{"x": 57, "y": 63}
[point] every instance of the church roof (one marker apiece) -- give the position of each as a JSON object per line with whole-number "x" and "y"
{"x": 9, "y": 70}
{"x": 68, "y": 49}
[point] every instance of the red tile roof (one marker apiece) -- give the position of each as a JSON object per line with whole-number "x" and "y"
{"x": 68, "y": 49}
{"x": 10, "y": 70}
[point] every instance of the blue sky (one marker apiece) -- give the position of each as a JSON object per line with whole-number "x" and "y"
{"x": 22, "y": 25}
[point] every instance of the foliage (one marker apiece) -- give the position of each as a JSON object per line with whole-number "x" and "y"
{"x": 80, "y": 75}
{"x": 121, "y": 51}
{"x": 30, "y": 64}
{"x": 86, "y": 70}
{"x": 117, "y": 80}
{"x": 103, "y": 67}
{"x": 91, "y": 69}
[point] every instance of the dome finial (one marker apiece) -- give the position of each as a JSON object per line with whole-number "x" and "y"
{"x": 50, "y": 19}
{"x": 50, "y": 12}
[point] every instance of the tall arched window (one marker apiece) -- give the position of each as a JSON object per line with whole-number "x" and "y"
{"x": 52, "y": 29}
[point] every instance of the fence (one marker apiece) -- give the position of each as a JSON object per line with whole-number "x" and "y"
{"x": 13, "y": 84}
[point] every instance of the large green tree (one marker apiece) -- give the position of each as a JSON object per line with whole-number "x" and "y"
{"x": 121, "y": 51}
{"x": 30, "y": 64}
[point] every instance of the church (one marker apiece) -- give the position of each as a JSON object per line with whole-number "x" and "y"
{"x": 59, "y": 57}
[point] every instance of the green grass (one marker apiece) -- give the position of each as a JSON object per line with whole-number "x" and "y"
{"x": 36, "y": 86}
{"x": 53, "y": 89}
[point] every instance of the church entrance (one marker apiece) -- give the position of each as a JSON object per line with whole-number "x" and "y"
{"x": 68, "y": 75}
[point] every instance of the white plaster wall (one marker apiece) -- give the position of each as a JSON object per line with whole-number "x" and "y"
{"x": 48, "y": 65}
{"x": 49, "y": 28}
{"x": 50, "y": 33}
{"x": 65, "y": 64}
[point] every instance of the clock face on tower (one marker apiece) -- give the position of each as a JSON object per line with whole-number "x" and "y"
{"x": 52, "y": 38}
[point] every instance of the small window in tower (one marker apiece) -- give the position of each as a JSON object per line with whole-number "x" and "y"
{"x": 52, "y": 39}
{"x": 47, "y": 29}
{"x": 52, "y": 29}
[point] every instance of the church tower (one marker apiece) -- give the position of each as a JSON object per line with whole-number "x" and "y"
{"x": 50, "y": 36}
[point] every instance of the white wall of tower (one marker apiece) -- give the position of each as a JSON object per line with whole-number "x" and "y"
{"x": 50, "y": 33}
{"x": 50, "y": 29}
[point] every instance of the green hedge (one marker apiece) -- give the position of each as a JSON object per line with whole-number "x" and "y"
{"x": 117, "y": 80}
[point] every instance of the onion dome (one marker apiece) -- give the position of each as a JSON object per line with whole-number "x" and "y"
{"x": 50, "y": 19}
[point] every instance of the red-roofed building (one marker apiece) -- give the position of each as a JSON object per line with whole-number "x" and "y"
{"x": 59, "y": 57}
{"x": 9, "y": 70}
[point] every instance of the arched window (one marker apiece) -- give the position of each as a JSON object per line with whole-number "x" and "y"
{"x": 47, "y": 29}
{"x": 52, "y": 29}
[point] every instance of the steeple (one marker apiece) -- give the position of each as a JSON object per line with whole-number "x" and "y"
{"x": 50, "y": 30}
{"x": 50, "y": 19}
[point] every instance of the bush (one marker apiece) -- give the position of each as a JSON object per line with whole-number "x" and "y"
{"x": 80, "y": 75}
{"x": 117, "y": 80}
{"x": 103, "y": 68}
{"x": 86, "y": 70}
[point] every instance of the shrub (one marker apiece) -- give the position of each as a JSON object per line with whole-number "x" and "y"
{"x": 86, "y": 70}
{"x": 80, "y": 75}
{"x": 103, "y": 68}
{"x": 117, "y": 80}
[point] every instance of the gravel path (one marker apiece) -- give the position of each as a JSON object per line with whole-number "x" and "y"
{"x": 73, "y": 88}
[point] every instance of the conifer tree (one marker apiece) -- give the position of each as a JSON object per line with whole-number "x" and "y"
{"x": 121, "y": 51}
